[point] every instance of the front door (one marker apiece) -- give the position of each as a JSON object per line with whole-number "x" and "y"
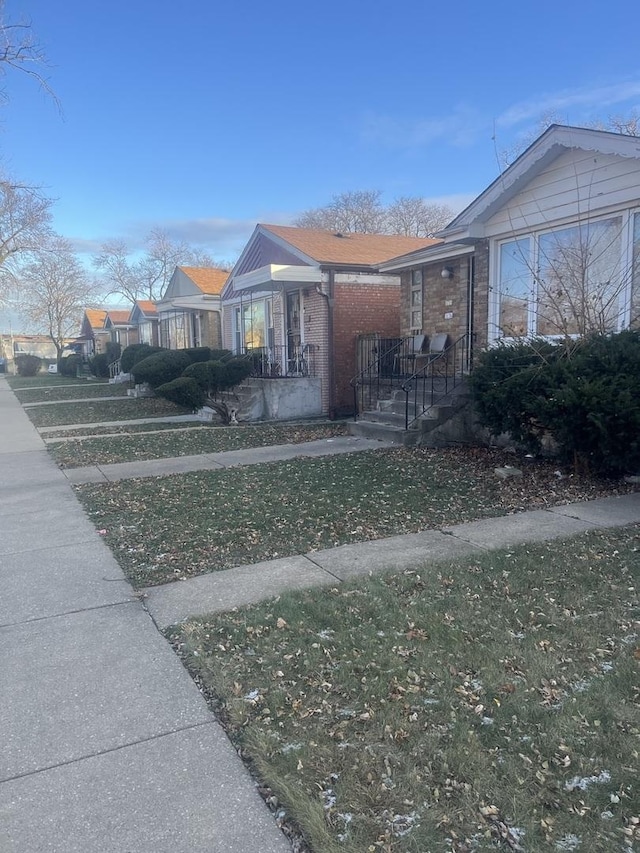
{"x": 294, "y": 331}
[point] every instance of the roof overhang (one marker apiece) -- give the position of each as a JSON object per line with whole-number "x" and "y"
{"x": 275, "y": 276}
{"x": 442, "y": 252}
{"x": 556, "y": 140}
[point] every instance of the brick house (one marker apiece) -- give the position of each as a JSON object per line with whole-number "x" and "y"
{"x": 93, "y": 336}
{"x": 297, "y": 300}
{"x": 550, "y": 249}
{"x": 190, "y": 312}
{"x": 144, "y": 317}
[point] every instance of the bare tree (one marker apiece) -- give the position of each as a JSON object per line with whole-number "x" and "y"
{"x": 20, "y": 51}
{"x": 147, "y": 276}
{"x": 627, "y": 125}
{"x": 24, "y": 224}
{"x": 52, "y": 289}
{"x": 358, "y": 211}
{"x": 362, "y": 212}
{"x": 413, "y": 217}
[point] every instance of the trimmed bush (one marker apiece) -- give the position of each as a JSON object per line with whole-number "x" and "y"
{"x": 183, "y": 391}
{"x": 161, "y": 368}
{"x": 587, "y": 399}
{"x": 28, "y": 365}
{"x": 136, "y": 352}
{"x": 69, "y": 366}
{"x": 113, "y": 351}
{"x": 214, "y": 377}
{"x": 99, "y": 365}
{"x": 197, "y": 354}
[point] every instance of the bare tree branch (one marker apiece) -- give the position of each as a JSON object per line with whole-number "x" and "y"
{"x": 19, "y": 51}
{"x": 52, "y": 289}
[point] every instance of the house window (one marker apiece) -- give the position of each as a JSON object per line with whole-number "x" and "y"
{"x": 415, "y": 305}
{"x": 252, "y": 326}
{"x": 635, "y": 291}
{"x": 563, "y": 282}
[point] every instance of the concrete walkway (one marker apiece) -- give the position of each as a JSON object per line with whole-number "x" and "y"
{"x": 228, "y": 459}
{"x": 219, "y": 591}
{"x": 107, "y": 744}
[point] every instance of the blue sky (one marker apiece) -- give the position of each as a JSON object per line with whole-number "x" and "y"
{"x": 205, "y": 117}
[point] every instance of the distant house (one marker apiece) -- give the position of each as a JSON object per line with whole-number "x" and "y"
{"x": 189, "y": 312}
{"x": 93, "y": 336}
{"x": 297, "y": 300}
{"x": 120, "y": 328}
{"x": 550, "y": 249}
{"x": 144, "y": 317}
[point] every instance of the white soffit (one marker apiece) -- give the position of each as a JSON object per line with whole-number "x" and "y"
{"x": 272, "y": 276}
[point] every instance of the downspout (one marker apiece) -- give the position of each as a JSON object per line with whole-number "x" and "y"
{"x": 328, "y": 292}
{"x": 470, "y": 310}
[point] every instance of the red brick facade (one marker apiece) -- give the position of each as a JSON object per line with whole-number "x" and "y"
{"x": 359, "y": 309}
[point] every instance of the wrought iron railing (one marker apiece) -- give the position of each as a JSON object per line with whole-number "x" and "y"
{"x": 389, "y": 362}
{"x": 282, "y": 361}
{"x": 437, "y": 379}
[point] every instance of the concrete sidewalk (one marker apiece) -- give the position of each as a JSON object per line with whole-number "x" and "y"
{"x": 229, "y": 459}
{"x": 219, "y": 591}
{"x": 107, "y": 744}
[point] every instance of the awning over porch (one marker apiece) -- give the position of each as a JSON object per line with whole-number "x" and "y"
{"x": 275, "y": 276}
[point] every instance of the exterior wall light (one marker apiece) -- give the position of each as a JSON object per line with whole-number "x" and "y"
{"x": 447, "y": 273}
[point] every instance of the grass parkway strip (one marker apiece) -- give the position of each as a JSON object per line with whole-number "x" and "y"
{"x": 491, "y": 704}
{"x": 213, "y": 439}
{"x": 165, "y": 529}
{"x": 128, "y": 408}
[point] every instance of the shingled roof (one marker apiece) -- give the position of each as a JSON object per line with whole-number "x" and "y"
{"x": 326, "y": 247}
{"x": 208, "y": 280}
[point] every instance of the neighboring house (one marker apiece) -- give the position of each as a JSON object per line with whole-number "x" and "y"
{"x": 120, "y": 328}
{"x": 550, "y": 249}
{"x": 297, "y": 299}
{"x": 144, "y": 317}
{"x": 93, "y": 335}
{"x": 189, "y": 312}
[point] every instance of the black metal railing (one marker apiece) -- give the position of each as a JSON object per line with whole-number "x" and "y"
{"x": 389, "y": 362}
{"x": 282, "y": 361}
{"x": 437, "y": 379}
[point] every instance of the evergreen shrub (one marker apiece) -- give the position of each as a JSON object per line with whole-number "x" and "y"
{"x": 28, "y": 365}
{"x": 183, "y": 391}
{"x": 160, "y": 368}
{"x": 586, "y": 397}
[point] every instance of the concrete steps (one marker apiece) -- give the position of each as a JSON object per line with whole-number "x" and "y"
{"x": 444, "y": 422}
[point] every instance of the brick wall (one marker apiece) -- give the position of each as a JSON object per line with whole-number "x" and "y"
{"x": 359, "y": 309}
{"x": 211, "y": 329}
{"x": 444, "y": 301}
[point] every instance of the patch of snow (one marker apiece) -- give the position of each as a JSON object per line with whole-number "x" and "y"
{"x": 568, "y": 842}
{"x": 583, "y": 782}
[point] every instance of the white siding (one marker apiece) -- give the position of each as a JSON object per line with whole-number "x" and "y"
{"x": 577, "y": 184}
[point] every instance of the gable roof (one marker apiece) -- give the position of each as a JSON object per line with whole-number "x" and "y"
{"x": 550, "y": 145}
{"x": 117, "y": 317}
{"x": 146, "y": 307}
{"x": 95, "y": 317}
{"x": 209, "y": 280}
{"x": 327, "y": 247}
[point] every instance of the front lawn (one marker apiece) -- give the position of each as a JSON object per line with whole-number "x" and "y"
{"x": 163, "y": 529}
{"x": 215, "y": 439}
{"x": 128, "y": 408}
{"x": 47, "y": 380}
{"x": 41, "y": 394}
{"x": 490, "y": 704}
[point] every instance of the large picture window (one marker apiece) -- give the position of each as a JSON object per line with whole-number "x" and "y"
{"x": 567, "y": 281}
{"x": 253, "y": 326}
